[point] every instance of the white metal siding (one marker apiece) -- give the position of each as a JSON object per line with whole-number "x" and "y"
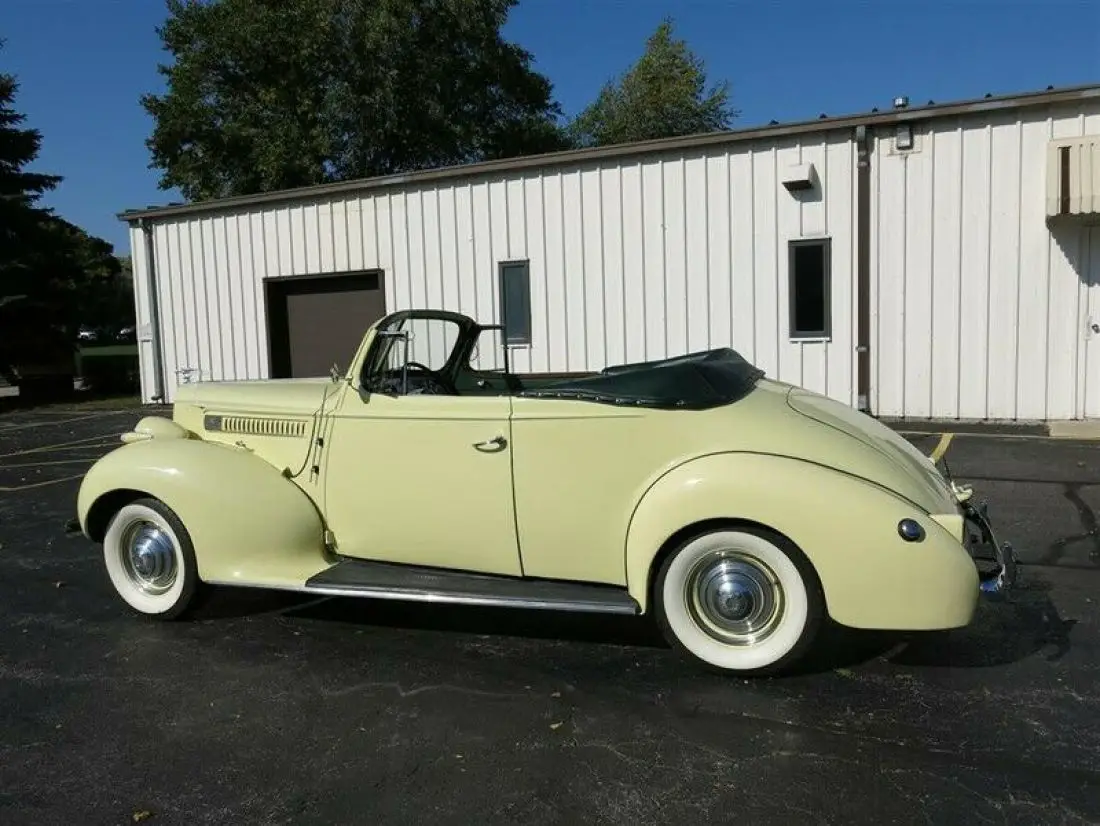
{"x": 629, "y": 261}
{"x": 143, "y": 314}
{"x": 978, "y": 305}
{"x": 980, "y": 309}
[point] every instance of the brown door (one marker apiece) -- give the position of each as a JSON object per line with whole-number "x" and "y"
{"x": 315, "y": 322}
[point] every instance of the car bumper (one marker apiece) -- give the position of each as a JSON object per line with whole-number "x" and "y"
{"x": 996, "y": 561}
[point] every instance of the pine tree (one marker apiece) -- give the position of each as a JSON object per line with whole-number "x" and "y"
{"x": 21, "y": 218}
{"x": 663, "y": 95}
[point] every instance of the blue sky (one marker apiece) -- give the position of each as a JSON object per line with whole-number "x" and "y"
{"x": 82, "y": 65}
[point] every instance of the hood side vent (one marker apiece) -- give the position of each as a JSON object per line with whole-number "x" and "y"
{"x": 257, "y": 426}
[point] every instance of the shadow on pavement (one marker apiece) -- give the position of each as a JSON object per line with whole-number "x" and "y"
{"x": 1026, "y": 623}
{"x": 1003, "y": 632}
{"x": 89, "y": 399}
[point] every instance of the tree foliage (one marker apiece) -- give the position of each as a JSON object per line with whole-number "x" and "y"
{"x": 265, "y": 96}
{"x": 662, "y": 95}
{"x": 52, "y": 273}
{"x": 20, "y": 190}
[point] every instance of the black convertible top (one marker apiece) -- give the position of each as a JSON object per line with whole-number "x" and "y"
{"x": 697, "y": 381}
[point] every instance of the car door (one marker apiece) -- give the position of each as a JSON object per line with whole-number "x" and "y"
{"x": 423, "y": 480}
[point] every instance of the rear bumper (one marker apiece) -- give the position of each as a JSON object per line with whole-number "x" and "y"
{"x": 996, "y": 561}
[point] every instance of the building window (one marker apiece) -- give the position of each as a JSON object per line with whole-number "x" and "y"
{"x": 808, "y": 288}
{"x": 515, "y": 301}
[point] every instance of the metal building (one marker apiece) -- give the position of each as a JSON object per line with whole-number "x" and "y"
{"x": 934, "y": 261}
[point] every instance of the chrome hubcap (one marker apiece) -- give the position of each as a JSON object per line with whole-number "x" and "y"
{"x": 734, "y": 598}
{"x": 149, "y": 557}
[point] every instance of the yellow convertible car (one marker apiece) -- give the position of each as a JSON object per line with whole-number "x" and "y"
{"x": 739, "y": 511}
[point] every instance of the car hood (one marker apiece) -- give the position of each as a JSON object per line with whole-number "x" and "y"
{"x": 267, "y": 396}
{"x": 921, "y": 474}
{"x": 275, "y": 419}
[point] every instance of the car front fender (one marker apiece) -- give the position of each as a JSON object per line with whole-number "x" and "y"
{"x": 250, "y": 525}
{"x": 847, "y": 528}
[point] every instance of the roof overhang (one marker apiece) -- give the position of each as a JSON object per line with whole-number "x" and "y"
{"x": 625, "y": 150}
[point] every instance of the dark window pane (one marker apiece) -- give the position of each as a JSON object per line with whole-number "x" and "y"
{"x": 515, "y": 295}
{"x": 809, "y": 289}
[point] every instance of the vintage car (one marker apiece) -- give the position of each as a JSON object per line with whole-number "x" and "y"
{"x": 739, "y": 511}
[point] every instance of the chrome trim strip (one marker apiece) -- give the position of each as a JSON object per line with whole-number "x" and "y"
{"x": 482, "y": 600}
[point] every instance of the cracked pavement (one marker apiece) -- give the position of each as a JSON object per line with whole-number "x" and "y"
{"x": 272, "y": 708}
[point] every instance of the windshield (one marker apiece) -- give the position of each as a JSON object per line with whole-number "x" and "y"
{"x": 416, "y": 345}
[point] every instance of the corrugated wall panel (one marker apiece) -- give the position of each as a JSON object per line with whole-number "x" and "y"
{"x": 740, "y": 191}
{"x": 674, "y": 307}
{"x": 593, "y": 320}
{"x": 212, "y": 283}
{"x": 961, "y": 248}
{"x": 979, "y": 308}
{"x": 258, "y": 359}
{"x": 889, "y": 281}
{"x": 235, "y": 308}
{"x": 695, "y": 276}
{"x": 839, "y": 215}
{"x": 974, "y": 304}
{"x": 918, "y": 233}
{"x": 719, "y": 248}
{"x": 813, "y": 358}
{"x": 615, "y": 275}
{"x": 628, "y": 261}
{"x": 788, "y": 216}
{"x": 945, "y": 213}
{"x": 652, "y": 311}
{"x": 173, "y": 307}
{"x": 764, "y": 265}
{"x": 143, "y": 315}
{"x": 631, "y": 185}
{"x": 1002, "y": 359}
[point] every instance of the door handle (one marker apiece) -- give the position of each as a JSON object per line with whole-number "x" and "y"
{"x": 495, "y": 442}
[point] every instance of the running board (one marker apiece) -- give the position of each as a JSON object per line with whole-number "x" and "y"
{"x": 381, "y": 580}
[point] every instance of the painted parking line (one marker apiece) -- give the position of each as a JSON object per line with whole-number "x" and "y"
{"x": 86, "y": 417}
{"x": 30, "y": 485}
{"x": 941, "y": 446}
{"x": 76, "y": 444}
{"x": 1026, "y": 437}
{"x": 47, "y": 462}
{"x": 87, "y": 460}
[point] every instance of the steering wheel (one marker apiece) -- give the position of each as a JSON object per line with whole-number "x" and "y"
{"x": 436, "y": 379}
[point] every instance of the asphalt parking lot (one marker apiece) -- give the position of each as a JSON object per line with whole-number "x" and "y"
{"x": 279, "y": 709}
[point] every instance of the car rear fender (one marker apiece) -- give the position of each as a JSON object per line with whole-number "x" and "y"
{"x": 250, "y": 524}
{"x": 847, "y": 528}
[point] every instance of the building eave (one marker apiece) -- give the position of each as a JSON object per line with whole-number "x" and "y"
{"x": 622, "y": 151}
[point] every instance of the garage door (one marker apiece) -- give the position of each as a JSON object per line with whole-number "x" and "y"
{"x": 315, "y": 322}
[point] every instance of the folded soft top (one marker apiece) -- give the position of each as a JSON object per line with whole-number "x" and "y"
{"x": 696, "y": 381}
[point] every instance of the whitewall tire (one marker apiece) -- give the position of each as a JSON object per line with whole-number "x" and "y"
{"x": 739, "y": 600}
{"x": 150, "y": 559}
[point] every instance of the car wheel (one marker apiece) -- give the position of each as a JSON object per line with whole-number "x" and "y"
{"x": 150, "y": 559}
{"x": 739, "y": 600}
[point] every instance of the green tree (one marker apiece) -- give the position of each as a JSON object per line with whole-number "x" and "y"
{"x": 20, "y": 190}
{"x": 72, "y": 272}
{"x": 663, "y": 95}
{"x": 265, "y": 96}
{"x": 52, "y": 273}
